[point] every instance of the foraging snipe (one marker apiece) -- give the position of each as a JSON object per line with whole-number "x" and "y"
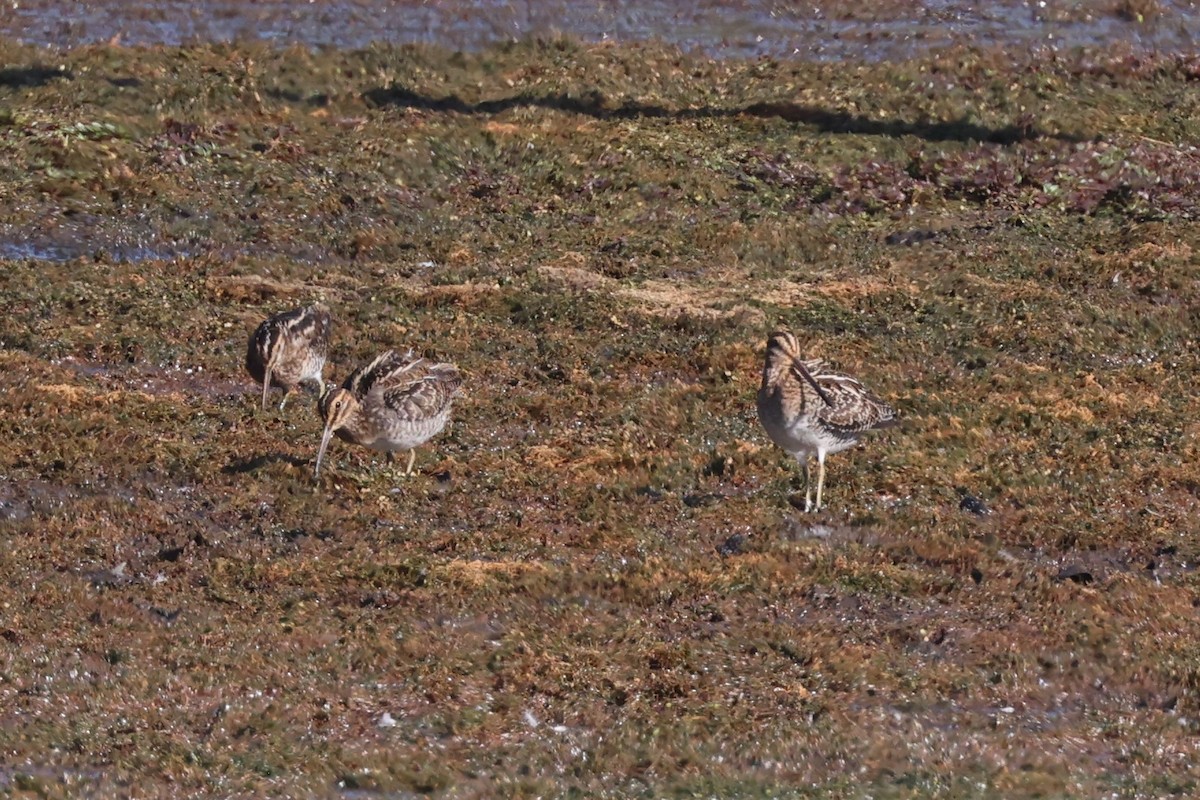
{"x": 808, "y": 411}
{"x": 395, "y": 403}
{"x": 289, "y": 349}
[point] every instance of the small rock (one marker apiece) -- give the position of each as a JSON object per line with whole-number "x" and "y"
{"x": 798, "y": 502}
{"x": 442, "y": 483}
{"x": 386, "y": 721}
{"x": 696, "y": 500}
{"x": 735, "y": 545}
{"x": 719, "y": 467}
{"x": 170, "y": 553}
{"x": 973, "y": 505}
{"x": 111, "y": 577}
{"x": 1074, "y": 572}
{"x": 797, "y": 529}
{"x": 909, "y": 238}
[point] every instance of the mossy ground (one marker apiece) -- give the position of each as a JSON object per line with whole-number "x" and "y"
{"x": 596, "y": 586}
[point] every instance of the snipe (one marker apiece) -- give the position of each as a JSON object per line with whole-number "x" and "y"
{"x": 395, "y": 403}
{"x": 808, "y": 410}
{"x": 289, "y": 349}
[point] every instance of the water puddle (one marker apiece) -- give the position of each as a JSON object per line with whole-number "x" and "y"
{"x": 43, "y": 250}
{"x": 119, "y": 241}
{"x": 88, "y": 236}
{"x": 820, "y": 30}
{"x": 23, "y": 500}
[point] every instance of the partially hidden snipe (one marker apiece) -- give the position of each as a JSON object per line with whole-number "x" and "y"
{"x": 395, "y": 403}
{"x": 289, "y": 349}
{"x": 808, "y": 410}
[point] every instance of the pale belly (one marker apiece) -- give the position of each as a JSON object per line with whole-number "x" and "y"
{"x": 292, "y": 373}
{"x": 314, "y": 369}
{"x": 397, "y": 438}
{"x": 799, "y": 439}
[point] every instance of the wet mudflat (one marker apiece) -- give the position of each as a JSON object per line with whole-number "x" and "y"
{"x": 596, "y": 582}
{"x": 819, "y": 29}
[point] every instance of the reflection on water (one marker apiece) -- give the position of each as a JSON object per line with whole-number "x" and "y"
{"x": 818, "y": 29}
{"x": 67, "y": 250}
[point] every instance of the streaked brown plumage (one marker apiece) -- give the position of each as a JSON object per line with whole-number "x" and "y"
{"x": 289, "y": 349}
{"x": 395, "y": 403}
{"x": 809, "y": 411}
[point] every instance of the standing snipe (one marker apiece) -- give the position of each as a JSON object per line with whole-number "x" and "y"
{"x": 808, "y": 411}
{"x": 395, "y": 403}
{"x": 288, "y": 349}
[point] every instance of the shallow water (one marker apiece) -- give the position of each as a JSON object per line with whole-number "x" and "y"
{"x": 821, "y": 29}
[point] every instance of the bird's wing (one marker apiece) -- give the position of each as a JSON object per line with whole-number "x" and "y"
{"x": 312, "y": 326}
{"x": 851, "y": 407}
{"x": 422, "y": 391}
{"x": 385, "y": 370}
{"x": 284, "y": 334}
{"x": 806, "y": 372}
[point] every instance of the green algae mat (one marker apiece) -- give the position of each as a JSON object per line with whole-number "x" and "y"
{"x": 597, "y": 583}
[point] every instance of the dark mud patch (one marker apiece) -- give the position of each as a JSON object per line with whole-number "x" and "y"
{"x": 175, "y": 381}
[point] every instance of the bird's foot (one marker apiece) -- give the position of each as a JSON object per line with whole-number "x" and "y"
{"x": 398, "y": 473}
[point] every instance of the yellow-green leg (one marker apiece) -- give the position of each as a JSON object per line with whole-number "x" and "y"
{"x": 807, "y": 486}
{"x": 820, "y": 478}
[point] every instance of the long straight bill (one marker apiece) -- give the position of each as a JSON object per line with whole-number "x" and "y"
{"x": 803, "y": 370}
{"x": 325, "y": 437}
{"x": 266, "y": 385}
